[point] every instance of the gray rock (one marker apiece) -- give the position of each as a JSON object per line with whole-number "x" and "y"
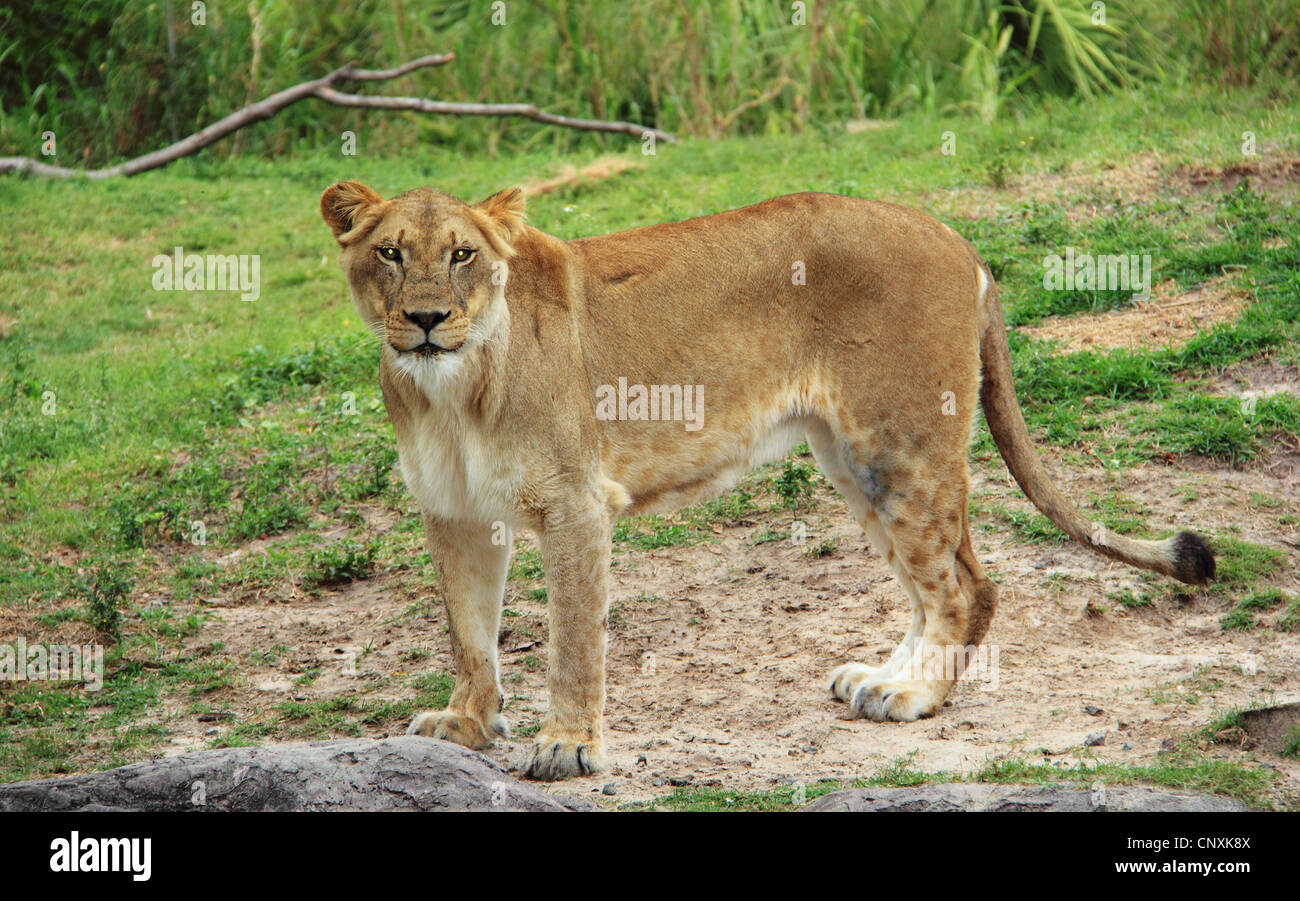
{"x": 1094, "y": 739}
{"x": 977, "y": 797}
{"x": 403, "y": 773}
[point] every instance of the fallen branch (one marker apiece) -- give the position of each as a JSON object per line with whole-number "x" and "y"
{"x": 526, "y": 110}
{"x": 321, "y": 89}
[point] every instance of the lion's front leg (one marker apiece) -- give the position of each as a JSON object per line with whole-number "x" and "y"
{"x": 472, "y": 571}
{"x": 575, "y": 549}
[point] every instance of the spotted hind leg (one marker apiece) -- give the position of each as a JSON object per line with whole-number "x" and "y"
{"x": 918, "y": 528}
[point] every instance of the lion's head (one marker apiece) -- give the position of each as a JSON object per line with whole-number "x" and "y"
{"x": 426, "y": 270}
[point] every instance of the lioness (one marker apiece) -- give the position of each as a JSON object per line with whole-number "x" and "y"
{"x": 868, "y": 329}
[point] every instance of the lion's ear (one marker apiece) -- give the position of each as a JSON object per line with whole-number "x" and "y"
{"x": 505, "y": 212}
{"x": 343, "y": 203}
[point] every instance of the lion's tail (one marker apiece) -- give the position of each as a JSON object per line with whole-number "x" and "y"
{"x": 1185, "y": 556}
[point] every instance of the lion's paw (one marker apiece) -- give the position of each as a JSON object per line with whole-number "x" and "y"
{"x": 555, "y": 759}
{"x": 901, "y": 701}
{"x": 459, "y": 727}
{"x": 846, "y": 679}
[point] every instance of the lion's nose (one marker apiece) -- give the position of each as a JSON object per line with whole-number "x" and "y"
{"x": 427, "y": 321}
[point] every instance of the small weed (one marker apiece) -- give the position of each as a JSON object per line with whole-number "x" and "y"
{"x": 794, "y": 484}
{"x": 342, "y": 561}
{"x": 105, "y": 591}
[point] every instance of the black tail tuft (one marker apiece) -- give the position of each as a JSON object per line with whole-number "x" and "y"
{"x": 1193, "y": 559}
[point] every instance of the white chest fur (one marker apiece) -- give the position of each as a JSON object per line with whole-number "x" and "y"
{"x": 453, "y": 466}
{"x": 456, "y": 473}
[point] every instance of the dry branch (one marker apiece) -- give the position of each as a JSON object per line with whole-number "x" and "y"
{"x": 321, "y": 89}
{"x": 526, "y": 110}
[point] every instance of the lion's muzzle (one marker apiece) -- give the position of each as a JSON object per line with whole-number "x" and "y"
{"x": 425, "y": 332}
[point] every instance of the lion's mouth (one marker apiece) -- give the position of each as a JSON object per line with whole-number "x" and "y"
{"x": 427, "y": 349}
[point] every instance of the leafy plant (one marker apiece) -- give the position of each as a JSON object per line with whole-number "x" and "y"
{"x": 342, "y": 561}
{"x": 105, "y": 590}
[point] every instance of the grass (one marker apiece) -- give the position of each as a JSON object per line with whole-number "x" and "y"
{"x": 155, "y": 433}
{"x": 1179, "y": 770}
{"x": 1173, "y": 771}
{"x": 1242, "y": 616}
{"x": 338, "y": 563}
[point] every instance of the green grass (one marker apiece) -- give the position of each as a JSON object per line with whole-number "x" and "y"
{"x": 648, "y": 533}
{"x": 1174, "y": 771}
{"x": 1181, "y": 770}
{"x": 1242, "y": 616}
{"x": 343, "y": 561}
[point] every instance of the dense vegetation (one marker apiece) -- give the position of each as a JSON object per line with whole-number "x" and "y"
{"x": 117, "y": 78}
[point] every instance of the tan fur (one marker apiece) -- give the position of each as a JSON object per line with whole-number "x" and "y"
{"x": 876, "y": 359}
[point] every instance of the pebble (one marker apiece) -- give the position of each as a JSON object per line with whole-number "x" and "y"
{"x": 1092, "y": 710}
{"x": 609, "y": 789}
{"x": 1094, "y": 738}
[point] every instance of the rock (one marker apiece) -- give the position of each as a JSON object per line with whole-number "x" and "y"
{"x": 1092, "y": 710}
{"x": 403, "y": 773}
{"x": 609, "y": 789}
{"x": 1273, "y": 728}
{"x": 1094, "y": 739}
{"x": 980, "y": 797}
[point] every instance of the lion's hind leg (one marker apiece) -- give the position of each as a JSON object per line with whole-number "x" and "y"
{"x": 916, "y": 521}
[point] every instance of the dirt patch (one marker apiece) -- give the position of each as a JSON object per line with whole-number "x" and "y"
{"x": 1076, "y": 188}
{"x": 1259, "y": 379}
{"x": 1268, "y": 176}
{"x": 1169, "y": 317}
{"x": 1084, "y": 190}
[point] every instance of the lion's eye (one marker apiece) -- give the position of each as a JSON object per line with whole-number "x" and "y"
{"x": 461, "y": 254}
{"x": 392, "y": 254}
